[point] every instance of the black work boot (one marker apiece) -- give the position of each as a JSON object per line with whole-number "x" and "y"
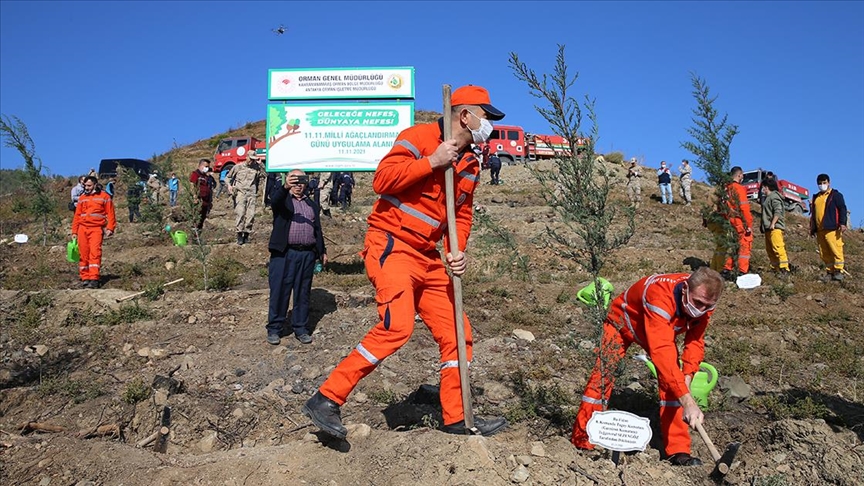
{"x": 325, "y": 413}
{"x": 240, "y": 238}
{"x": 684, "y": 459}
{"x": 486, "y": 427}
{"x": 245, "y": 237}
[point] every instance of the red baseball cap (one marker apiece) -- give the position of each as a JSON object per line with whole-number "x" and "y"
{"x": 475, "y": 95}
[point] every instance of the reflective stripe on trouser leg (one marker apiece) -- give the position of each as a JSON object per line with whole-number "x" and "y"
{"x": 615, "y": 346}
{"x": 94, "y": 236}
{"x": 395, "y": 290}
{"x": 676, "y": 433}
{"x": 745, "y": 243}
{"x": 83, "y": 254}
{"x": 831, "y": 249}
{"x": 90, "y": 251}
{"x": 436, "y": 307}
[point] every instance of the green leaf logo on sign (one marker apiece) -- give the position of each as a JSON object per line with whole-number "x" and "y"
{"x": 353, "y": 117}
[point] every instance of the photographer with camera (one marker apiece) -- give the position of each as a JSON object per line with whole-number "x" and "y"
{"x": 296, "y": 243}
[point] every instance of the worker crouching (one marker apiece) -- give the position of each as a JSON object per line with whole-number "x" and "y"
{"x": 94, "y": 218}
{"x": 651, "y": 313}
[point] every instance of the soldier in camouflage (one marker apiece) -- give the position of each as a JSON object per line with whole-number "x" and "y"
{"x": 243, "y": 186}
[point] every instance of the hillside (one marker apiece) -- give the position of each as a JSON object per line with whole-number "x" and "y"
{"x": 78, "y": 359}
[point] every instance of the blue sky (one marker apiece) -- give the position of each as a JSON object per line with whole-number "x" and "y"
{"x": 94, "y": 80}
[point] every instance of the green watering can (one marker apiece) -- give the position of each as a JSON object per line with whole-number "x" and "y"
{"x": 72, "y": 254}
{"x": 179, "y": 238}
{"x": 586, "y": 294}
{"x": 703, "y": 381}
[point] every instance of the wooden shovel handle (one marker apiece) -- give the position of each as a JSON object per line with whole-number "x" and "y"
{"x": 453, "y": 236}
{"x": 716, "y": 455}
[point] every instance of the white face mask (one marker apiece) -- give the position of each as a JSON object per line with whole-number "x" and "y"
{"x": 823, "y": 187}
{"x": 205, "y": 170}
{"x": 691, "y": 309}
{"x": 482, "y": 134}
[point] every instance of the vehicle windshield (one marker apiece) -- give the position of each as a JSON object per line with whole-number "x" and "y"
{"x": 751, "y": 177}
{"x": 224, "y": 146}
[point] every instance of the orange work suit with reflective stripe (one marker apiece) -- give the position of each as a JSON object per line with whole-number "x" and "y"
{"x": 94, "y": 214}
{"x": 403, "y": 263}
{"x": 650, "y": 314}
{"x": 740, "y": 217}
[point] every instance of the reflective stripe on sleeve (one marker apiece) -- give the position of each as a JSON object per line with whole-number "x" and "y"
{"x": 664, "y": 403}
{"x": 411, "y": 148}
{"x": 467, "y": 175}
{"x": 366, "y": 354}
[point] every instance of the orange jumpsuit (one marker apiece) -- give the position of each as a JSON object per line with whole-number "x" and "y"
{"x": 94, "y": 214}
{"x": 739, "y": 216}
{"x": 405, "y": 266}
{"x": 650, "y": 314}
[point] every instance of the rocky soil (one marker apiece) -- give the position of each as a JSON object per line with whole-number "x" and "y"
{"x": 789, "y": 354}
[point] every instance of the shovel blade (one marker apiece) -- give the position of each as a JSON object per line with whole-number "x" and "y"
{"x": 725, "y": 462}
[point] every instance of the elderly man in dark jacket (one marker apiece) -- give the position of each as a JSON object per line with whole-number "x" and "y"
{"x": 296, "y": 243}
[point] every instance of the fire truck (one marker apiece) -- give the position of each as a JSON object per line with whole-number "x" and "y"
{"x": 513, "y": 145}
{"x": 795, "y": 196}
{"x": 232, "y": 151}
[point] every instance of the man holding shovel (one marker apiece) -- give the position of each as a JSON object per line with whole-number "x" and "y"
{"x": 404, "y": 264}
{"x": 651, "y": 313}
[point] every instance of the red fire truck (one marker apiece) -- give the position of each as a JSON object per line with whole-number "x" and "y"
{"x": 795, "y": 196}
{"x": 513, "y": 145}
{"x": 233, "y": 150}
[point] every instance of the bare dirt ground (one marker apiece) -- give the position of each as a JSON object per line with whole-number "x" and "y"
{"x": 77, "y": 359}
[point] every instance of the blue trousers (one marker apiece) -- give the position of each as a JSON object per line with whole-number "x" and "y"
{"x": 666, "y": 193}
{"x": 290, "y": 272}
{"x": 172, "y": 200}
